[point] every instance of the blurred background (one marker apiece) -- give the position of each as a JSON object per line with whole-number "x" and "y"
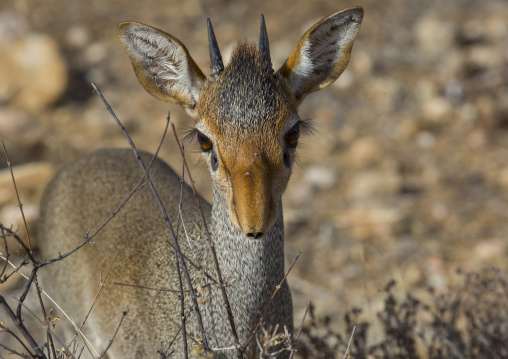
{"x": 406, "y": 177}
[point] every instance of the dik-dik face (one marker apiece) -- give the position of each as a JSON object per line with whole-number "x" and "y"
{"x": 247, "y": 122}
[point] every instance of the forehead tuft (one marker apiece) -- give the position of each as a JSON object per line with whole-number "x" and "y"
{"x": 247, "y": 96}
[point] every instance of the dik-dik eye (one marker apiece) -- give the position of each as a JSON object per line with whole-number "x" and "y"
{"x": 204, "y": 142}
{"x": 292, "y": 136}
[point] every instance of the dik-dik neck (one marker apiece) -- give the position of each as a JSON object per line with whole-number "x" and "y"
{"x": 256, "y": 259}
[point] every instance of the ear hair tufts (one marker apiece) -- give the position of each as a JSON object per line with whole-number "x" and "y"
{"x": 217, "y": 65}
{"x": 264, "y": 46}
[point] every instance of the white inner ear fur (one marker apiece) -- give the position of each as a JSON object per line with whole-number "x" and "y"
{"x": 322, "y": 50}
{"x": 165, "y": 61}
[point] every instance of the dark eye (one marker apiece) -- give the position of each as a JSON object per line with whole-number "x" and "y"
{"x": 292, "y": 136}
{"x": 204, "y": 142}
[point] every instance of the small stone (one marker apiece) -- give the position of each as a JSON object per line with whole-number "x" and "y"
{"x": 78, "y": 36}
{"x": 436, "y": 109}
{"x": 31, "y": 177}
{"x": 369, "y": 220}
{"x": 364, "y": 152}
{"x": 434, "y": 36}
{"x": 324, "y": 178}
{"x": 362, "y": 64}
{"x": 374, "y": 183}
{"x": 345, "y": 80}
{"x": 425, "y": 139}
{"x": 485, "y": 56}
{"x": 33, "y": 72}
{"x": 502, "y": 177}
{"x": 489, "y": 249}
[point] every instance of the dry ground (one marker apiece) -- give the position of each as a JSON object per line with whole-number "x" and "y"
{"x": 406, "y": 177}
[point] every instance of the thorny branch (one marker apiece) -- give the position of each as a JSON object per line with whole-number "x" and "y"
{"x": 17, "y": 196}
{"x": 17, "y": 317}
{"x": 89, "y": 237}
{"x": 21, "y": 327}
{"x": 164, "y": 213}
{"x": 125, "y": 312}
{"x": 222, "y": 287}
{"x": 33, "y": 276}
{"x": 260, "y": 322}
{"x": 349, "y": 344}
{"x": 93, "y": 303}
{"x": 295, "y": 344}
{"x": 180, "y": 283}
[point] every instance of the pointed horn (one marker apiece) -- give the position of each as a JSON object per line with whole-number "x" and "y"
{"x": 264, "y": 46}
{"x": 215, "y": 58}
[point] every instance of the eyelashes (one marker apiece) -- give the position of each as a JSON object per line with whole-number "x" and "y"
{"x": 194, "y": 137}
{"x": 307, "y": 126}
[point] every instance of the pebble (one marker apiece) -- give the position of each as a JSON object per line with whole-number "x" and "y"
{"x": 30, "y": 178}
{"x": 434, "y": 36}
{"x": 364, "y": 152}
{"x": 436, "y": 109}
{"x": 33, "y": 72}
{"x": 374, "y": 184}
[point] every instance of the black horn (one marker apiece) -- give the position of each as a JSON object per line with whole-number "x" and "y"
{"x": 264, "y": 46}
{"x": 215, "y": 58}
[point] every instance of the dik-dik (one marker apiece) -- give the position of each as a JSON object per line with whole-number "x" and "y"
{"x": 248, "y": 128}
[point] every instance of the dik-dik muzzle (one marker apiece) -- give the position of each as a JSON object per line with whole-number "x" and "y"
{"x": 252, "y": 206}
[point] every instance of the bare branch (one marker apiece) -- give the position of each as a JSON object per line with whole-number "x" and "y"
{"x": 164, "y": 213}
{"x": 12, "y": 351}
{"x": 177, "y": 264}
{"x": 93, "y": 302}
{"x": 4, "y": 329}
{"x": 17, "y": 196}
{"x": 270, "y": 302}
{"x": 222, "y": 287}
{"x": 7, "y": 255}
{"x": 24, "y": 294}
{"x": 21, "y": 327}
{"x": 349, "y": 344}
{"x": 125, "y": 312}
{"x": 293, "y": 349}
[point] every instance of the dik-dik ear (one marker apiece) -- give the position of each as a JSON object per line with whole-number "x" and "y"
{"x": 322, "y": 53}
{"x": 162, "y": 64}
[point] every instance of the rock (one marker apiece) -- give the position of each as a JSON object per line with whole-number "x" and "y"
{"x": 364, "y": 152}
{"x": 33, "y": 72}
{"x": 485, "y": 56}
{"x": 433, "y": 35}
{"x": 31, "y": 177}
{"x": 12, "y": 26}
{"x": 374, "y": 183}
{"x": 370, "y": 220}
{"x": 425, "y": 139}
{"x": 11, "y": 216}
{"x": 489, "y": 249}
{"x": 362, "y": 64}
{"x": 383, "y": 92}
{"x": 78, "y": 36}
{"x": 436, "y": 109}
{"x": 323, "y": 178}
{"x": 345, "y": 80}
{"x": 502, "y": 177}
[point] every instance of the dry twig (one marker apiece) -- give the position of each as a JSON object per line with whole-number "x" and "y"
{"x": 164, "y": 213}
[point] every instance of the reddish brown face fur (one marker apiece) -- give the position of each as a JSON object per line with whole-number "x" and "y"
{"x": 245, "y": 113}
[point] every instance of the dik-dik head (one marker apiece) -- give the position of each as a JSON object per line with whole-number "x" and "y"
{"x": 247, "y": 121}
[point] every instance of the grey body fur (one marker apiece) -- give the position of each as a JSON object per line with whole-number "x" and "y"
{"x": 104, "y": 179}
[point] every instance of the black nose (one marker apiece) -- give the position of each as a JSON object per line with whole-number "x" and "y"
{"x": 255, "y": 235}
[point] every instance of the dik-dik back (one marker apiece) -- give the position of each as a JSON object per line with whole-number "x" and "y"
{"x": 247, "y": 128}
